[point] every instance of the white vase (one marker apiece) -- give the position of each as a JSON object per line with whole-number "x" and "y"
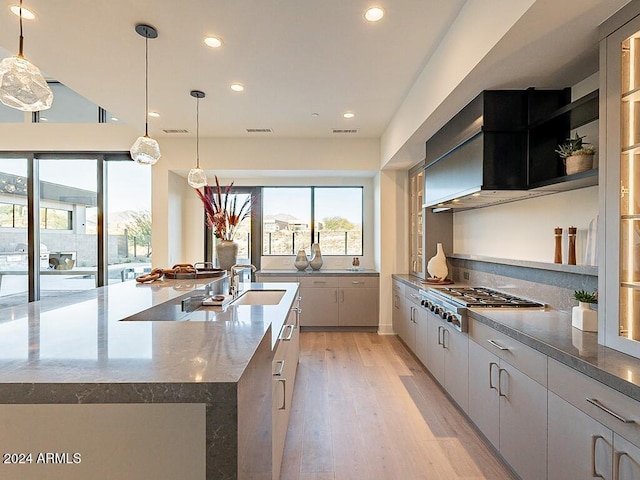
{"x": 227, "y": 253}
{"x": 437, "y": 265}
{"x": 584, "y": 318}
{"x": 301, "y": 262}
{"x": 316, "y": 257}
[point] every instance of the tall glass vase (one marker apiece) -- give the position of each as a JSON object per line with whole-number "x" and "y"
{"x": 227, "y": 253}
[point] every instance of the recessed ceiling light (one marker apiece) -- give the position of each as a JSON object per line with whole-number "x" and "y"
{"x": 213, "y": 42}
{"x": 374, "y": 14}
{"x": 43, "y": 119}
{"x": 348, "y": 114}
{"x": 315, "y": 114}
{"x": 115, "y": 119}
{"x": 26, "y": 14}
{"x": 154, "y": 114}
{"x": 237, "y": 87}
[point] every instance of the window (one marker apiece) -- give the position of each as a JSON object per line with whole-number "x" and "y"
{"x": 295, "y": 217}
{"x": 55, "y": 219}
{"x": 13, "y": 216}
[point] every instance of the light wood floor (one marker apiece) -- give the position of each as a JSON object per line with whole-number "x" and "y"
{"x": 364, "y": 408}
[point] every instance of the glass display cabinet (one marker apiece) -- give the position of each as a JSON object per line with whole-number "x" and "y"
{"x": 619, "y": 274}
{"x": 416, "y": 230}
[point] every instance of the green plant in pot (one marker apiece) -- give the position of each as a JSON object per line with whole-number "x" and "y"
{"x": 585, "y": 297}
{"x": 577, "y": 155}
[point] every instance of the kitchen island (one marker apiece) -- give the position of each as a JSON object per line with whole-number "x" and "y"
{"x": 82, "y": 390}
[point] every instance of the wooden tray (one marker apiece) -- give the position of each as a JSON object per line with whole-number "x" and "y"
{"x": 432, "y": 281}
{"x": 206, "y": 271}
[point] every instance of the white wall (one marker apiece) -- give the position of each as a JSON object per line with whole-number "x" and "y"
{"x": 255, "y": 162}
{"x": 524, "y": 230}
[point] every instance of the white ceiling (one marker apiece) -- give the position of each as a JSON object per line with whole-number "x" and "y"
{"x": 295, "y": 57}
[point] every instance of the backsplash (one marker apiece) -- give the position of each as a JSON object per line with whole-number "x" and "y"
{"x": 551, "y": 287}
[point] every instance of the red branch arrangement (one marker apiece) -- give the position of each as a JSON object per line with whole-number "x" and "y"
{"x": 221, "y": 208}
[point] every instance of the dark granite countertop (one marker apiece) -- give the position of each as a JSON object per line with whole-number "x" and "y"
{"x": 550, "y": 332}
{"x": 81, "y": 338}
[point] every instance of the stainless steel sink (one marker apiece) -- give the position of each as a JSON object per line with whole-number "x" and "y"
{"x": 259, "y": 297}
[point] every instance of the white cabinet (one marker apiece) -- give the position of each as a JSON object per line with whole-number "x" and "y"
{"x": 626, "y": 459}
{"x": 335, "y": 301}
{"x": 358, "y": 299}
{"x": 285, "y": 365}
{"x": 508, "y": 405}
{"x": 319, "y": 301}
{"x": 591, "y": 426}
{"x": 446, "y": 357}
{"x": 579, "y": 447}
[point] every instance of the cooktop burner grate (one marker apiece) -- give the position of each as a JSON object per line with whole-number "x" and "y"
{"x": 484, "y": 297}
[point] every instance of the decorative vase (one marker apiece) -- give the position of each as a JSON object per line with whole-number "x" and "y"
{"x": 227, "y": 253}
{"x": 301, "y": 262}
{"x": 316, "y": 257}
{"x": 584, "y": 318}
{"x": 578, "y": 163}
{"x": 437, "y": 265}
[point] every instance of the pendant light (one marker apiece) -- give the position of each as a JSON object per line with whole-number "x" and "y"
{"x": 197, "y": 178}
{"x": 145, "y": 150}
{"x": 22, "y": 86}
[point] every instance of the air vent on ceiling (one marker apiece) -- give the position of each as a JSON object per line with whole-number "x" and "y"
{"x": 175, "y": 130}
{"x": 345, "y": 130}
{"x": 259, "y": 130}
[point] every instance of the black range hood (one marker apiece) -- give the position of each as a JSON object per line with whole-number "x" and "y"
{"x": 479, "y": 157}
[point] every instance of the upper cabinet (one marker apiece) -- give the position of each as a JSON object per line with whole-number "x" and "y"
{"x": 502, "y": 147}
{"x": 620, "y": 174}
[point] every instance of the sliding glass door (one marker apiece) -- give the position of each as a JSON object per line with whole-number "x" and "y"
{"x": 68, "y": 225}
{"x": 14, "y": 265}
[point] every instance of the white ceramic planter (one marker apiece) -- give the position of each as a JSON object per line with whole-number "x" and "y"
{"x": 583, "y": 318}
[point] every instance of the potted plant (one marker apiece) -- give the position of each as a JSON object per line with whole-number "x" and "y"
{"x": 577, "y": 155}
{"x": 223, "y": 216}
{"x": 582, "y": 316}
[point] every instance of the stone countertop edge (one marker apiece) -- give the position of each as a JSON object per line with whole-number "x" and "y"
{"x": 327, "y": 273}
{"x": 550, "y": 333}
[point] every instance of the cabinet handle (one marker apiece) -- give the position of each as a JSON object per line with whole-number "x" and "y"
{"x": 491, "y": 385}
{"x": 444, "y": 330}
{"x": 439, "y": 330}
{"x": 413, "y": 295}
{"x": 288, "y": 337}
{"x": 341, "y": 296}
{"x": 284, "y": 393}
{"x": 500, "y": 383}
{"x": 319, "y": 282}
{"x": 594, "y": 442}
{"x": 356, "y": 282}
{"x": 617, "y": 456}
{"x": 497, "y": 345}
{"x": 297, "y": 311}
{"x": 413, "y": 314}
{"x": 280, "y": 370}
{"x": 336, "y": 295}
{"x": 395, "y": 301}
{"x": 597, "y": 403}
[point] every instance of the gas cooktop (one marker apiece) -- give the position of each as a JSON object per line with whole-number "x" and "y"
{"x": 474, "y": 297}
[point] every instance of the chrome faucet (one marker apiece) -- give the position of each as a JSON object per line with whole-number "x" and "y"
{"x": 235, "y": 277}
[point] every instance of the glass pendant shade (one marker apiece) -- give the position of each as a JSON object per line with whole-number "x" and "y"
{"x": 145, "y": 151}
{"x": 197, "y": 178}
{"x": 22, "y": 86}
